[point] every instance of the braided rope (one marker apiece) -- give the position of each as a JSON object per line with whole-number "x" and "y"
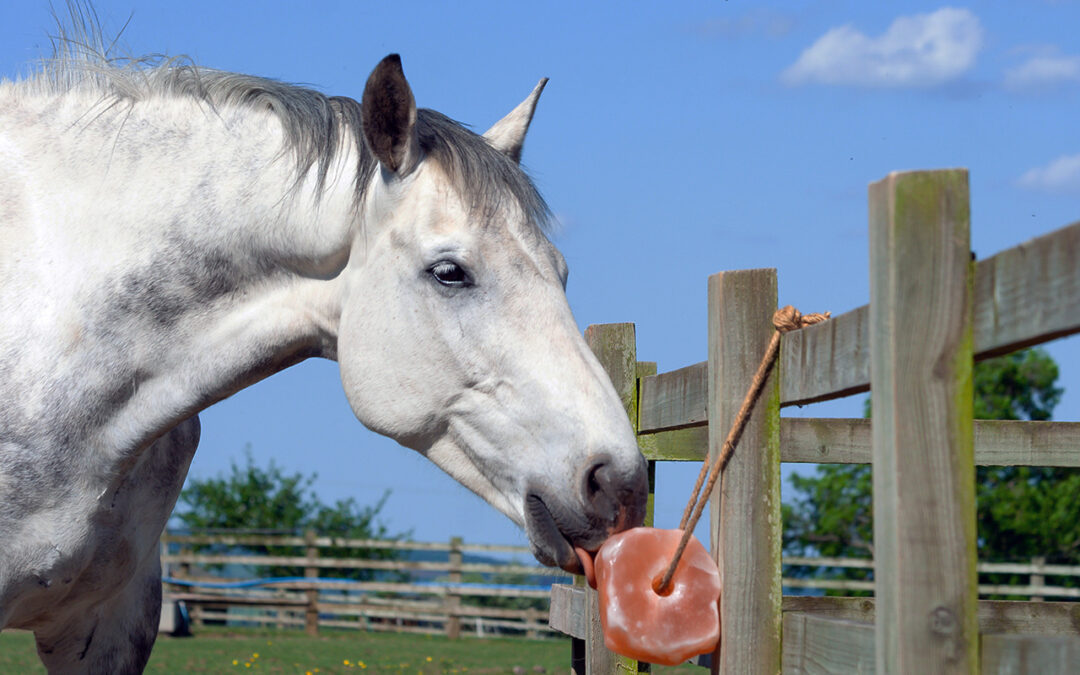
{"x": 785, "y": 319}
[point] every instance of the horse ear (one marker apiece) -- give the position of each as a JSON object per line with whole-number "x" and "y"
{"x": 389, "y": 116}
{"x": 508, "y": 134}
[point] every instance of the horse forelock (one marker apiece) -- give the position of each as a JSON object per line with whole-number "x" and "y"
{"x": 485, "y": 176}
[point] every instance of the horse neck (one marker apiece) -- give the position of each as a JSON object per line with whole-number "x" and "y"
{"x": 205, "y": 265}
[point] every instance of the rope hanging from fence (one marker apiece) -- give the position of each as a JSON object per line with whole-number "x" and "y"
{"x": 785, "y": 319}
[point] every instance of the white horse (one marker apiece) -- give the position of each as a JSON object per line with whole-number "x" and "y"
{"x": 170, "y": 235}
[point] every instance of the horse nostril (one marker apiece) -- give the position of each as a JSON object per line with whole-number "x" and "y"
{"x": 599, "y": 491}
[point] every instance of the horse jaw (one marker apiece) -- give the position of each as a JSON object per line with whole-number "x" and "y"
{"x": 508, "y": 134}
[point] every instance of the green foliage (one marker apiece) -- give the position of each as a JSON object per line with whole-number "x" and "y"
{"x": 1018, "y": 386}
{"x": 248, "y": 498}
{"x": 264, "y": 500}
{"x": 1023, "y": 512}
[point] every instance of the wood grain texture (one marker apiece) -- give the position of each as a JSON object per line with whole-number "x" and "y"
{"x": 675, "y": 399}
{"x": 615, "y": 346}
{"x": 995, "y": 616}
{"x": 819, "y": 645}
{"x": 646, "y": 369}
{"x": 1028, "y": 294}
{"x": 822, "y": 440}
{"x": 679, "y": 445}
{"x": 1045, "y": 655}
{"x": 997, "y": 443}
{"x": 567, "y": 612}
{"x": 746, "y": 513}
{"x": 827, "y": 360}
{"x": 1024, "y": 296}
{"x": 924, "y": 494}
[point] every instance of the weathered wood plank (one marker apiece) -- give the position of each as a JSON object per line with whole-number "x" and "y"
{"x": 1009, "y": 443}
{"x": 746, "y": 516}
{"x": 849, "y": 609}
{"x": 686, "y": 445}
{"x": 1025, "y": 295}
{"x": 921, "y": 362}
{"x": 823, "y": 645}
{"x": 995, "y": 616}
{"x": 1045, "y": 655}
{"x": 827, "y": 360}
{"x": 675, "y": 399}
{"x": 1014, "y": 616}
{"x": 1028, "y": 294}
{"x": 645, "y": 369}
{"x": 822, "y": 440}
{"x": 847, "y": 441}
{"x": 566, "y": 613}
{"x": 615, "y": 346}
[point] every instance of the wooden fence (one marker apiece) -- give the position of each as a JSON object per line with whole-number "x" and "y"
{"x": 410, "y": 605}
{"x": 933, "y": 312}
{"x": 444, "y": 604}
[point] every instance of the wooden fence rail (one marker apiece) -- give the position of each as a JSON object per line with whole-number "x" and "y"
{"x": 933, "y": 312}
{"x": 308, "y": 600}
{"x": 409, "y": 606}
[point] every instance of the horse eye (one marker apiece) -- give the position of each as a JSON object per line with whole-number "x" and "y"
{"x": 450, "y": 274}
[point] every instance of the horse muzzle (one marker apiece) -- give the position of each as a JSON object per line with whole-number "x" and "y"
{"x": 605, "y": 499}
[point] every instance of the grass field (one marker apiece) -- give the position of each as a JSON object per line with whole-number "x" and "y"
{"x": 268, "y": 651}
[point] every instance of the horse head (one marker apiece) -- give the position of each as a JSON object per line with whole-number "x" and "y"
{"x": 456, "y": 338}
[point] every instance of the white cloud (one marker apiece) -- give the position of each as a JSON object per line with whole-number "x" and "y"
{"x": 1044, "y": 71}
{"x": 916, "y": 51}
{"x": 1060, "y": 175}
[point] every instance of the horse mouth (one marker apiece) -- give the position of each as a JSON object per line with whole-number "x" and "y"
{"x": 553, "y": 534}
{"x": 611, "y": 501}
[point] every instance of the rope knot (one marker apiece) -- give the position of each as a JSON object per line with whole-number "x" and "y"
{"x": 788, "y": 319}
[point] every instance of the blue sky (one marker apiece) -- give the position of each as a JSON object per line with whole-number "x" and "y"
{"x": 674, "y": 140}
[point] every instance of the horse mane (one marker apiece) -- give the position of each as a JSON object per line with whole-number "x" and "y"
{"x": 315, "y": 125}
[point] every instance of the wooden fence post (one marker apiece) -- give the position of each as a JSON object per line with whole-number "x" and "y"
{"x": 921, "y": 283}
{"x": 311, "y": 614}
{"x": 453, "y": 600}
{"x": 1037, "y": 577}
{"x": 746, "y": 531}
{"x": 615, "y": 346}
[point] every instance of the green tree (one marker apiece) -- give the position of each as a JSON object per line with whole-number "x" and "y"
{"x": 1022, "y": 511}
{"x": 270, "y": 501}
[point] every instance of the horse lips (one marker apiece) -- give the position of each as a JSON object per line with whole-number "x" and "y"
{"x": 640, "y": 623}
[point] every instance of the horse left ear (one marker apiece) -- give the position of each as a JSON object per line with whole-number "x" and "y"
{"x": 388, "y": 112}
{"x": 508, "y": 134}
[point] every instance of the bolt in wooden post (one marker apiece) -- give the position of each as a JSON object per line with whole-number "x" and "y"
{"x": 745, "y": 513}
{"x": 921, "y": 281}
{"x": 311, "y": 571}
{"x": 453, "y": 600}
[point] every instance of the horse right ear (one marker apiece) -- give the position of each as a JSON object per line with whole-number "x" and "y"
{"x": 389, "y": 117}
